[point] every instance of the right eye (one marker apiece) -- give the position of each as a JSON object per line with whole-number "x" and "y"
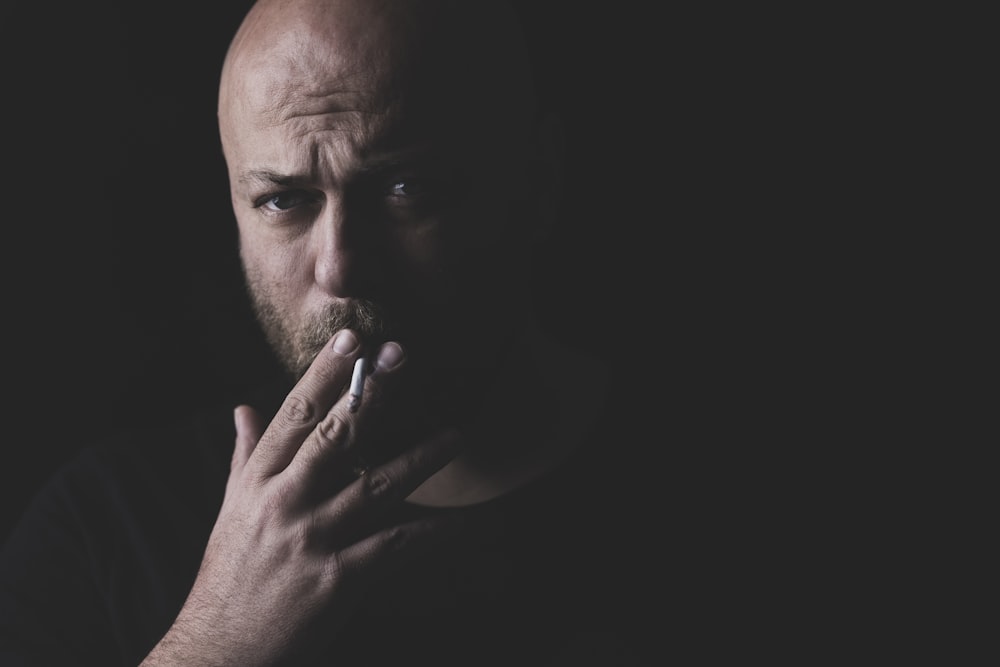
{"x": 283, "y": 201}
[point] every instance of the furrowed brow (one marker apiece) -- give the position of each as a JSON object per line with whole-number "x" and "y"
{"x": 267, "y": 177}
{"x": 372, "y": 166}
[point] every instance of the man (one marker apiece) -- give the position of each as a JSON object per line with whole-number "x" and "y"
{"x": 437, "y": 480}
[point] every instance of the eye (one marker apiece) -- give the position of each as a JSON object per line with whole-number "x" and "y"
{"x": 283, "y": 201}
{"x": 409, "y": 188}
{"x": 418, "y": 195}
{"x": 409, "y": 199}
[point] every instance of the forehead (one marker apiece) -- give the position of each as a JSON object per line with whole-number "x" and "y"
{"x": 298, "y": 121}
{"x": 371, "y": 67}
{"x": 302, "y": 73}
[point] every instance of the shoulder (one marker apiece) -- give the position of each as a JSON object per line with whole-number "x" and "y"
{"x": 114, "y": 535}
{"x": 124, "y": 476}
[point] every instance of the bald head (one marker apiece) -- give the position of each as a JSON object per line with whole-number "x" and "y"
{"x": 385, "y": 159}
{"x": 466, "y": 57}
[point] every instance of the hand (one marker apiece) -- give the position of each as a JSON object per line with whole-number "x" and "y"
{"x": 297, "y": 541}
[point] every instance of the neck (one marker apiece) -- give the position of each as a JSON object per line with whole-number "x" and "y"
{"x": 535, "y": 413}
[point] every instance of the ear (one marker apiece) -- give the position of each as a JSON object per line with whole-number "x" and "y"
{"x": 550, "y": 160}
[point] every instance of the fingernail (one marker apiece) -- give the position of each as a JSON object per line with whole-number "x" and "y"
{"x": 389, "y": 356}
{"x": 344, "y": 342}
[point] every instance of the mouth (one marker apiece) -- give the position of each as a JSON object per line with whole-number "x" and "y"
{"x": 367, "y": 319}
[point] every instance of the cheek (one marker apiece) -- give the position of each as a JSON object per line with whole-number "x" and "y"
{"x": 274, "y": 260}
{"x": 494, "y": 256}
{"x": 477, "y": 259}
{"x": 273, "y": 275}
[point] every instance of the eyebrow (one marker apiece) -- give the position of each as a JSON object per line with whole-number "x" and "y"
{"x": 268, "y": 176}
{"x": 373, "y": 166}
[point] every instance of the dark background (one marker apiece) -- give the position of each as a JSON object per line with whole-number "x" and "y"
{"x": 745, "y": 186}
{"x": 123, "y": 299}
{"x": 684, "y": 251}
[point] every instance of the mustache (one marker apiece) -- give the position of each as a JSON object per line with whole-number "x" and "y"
{"x": 368, "y": 319}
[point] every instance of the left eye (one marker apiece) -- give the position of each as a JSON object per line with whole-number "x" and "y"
{"x": 408, "y": 188}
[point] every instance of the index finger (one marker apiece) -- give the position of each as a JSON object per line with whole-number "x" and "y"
{"x": 306, "y": 404}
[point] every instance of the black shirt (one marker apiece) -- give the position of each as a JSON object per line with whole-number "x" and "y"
{"x": 102, "y": 561}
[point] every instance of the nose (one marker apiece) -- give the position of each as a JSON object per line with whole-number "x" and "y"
{"x": 342, "y": 248}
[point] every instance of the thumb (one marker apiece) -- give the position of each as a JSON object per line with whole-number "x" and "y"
{"x": 249, "y": 429}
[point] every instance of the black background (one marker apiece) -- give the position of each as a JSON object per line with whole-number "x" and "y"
{"x": 684, "y": 251}
{"x": 743, "y": 189}
{"x": 123, "y": 299}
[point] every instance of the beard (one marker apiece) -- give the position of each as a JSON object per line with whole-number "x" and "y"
{"x": 297, "y": 343}
{"x": 444, "y": 375}
{"x": 297, "y": 347}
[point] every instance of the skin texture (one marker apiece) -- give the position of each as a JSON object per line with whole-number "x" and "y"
{"x": 390, "y": 175}
{"x": 401, "y": 162}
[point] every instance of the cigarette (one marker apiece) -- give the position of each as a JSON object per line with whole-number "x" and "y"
{"x": 357, "y": 385}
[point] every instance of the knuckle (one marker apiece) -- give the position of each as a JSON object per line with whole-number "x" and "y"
{"x": 299, "y": 410}
{"x": 334, "y": 573}
{"x": 331, "y": 433}
{"x": 310, "y": 535}
{"x": 397, "y": 537}
{"x": 403, "y": 538}
{"x": 375, "y": 484}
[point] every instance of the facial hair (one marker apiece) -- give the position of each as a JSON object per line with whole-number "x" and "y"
{"x": 297, "y": 347}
